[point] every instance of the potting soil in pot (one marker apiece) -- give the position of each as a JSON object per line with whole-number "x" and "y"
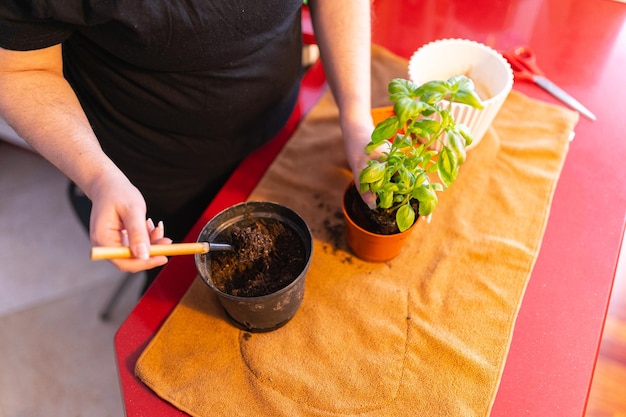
{"x": 268, "y": 256}
{"x": 379, "y": 221}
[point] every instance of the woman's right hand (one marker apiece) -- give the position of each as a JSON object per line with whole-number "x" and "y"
{"x": 118, "y": 218}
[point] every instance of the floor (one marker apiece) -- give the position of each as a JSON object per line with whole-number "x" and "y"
{"x": 608, "y": 391}
{"x": 56, "y": 354}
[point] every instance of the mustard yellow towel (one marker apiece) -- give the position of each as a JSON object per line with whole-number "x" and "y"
{"x": 425, "y": 334}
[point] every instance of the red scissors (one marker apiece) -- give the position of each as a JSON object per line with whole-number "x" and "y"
{"x": 524, "y": 65}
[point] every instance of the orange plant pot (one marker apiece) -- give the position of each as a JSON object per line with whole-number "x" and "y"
{"x": 381, "y": 113}
{"x": 370, "y": 246}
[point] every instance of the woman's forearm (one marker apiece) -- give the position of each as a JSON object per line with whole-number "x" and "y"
{"x": 42, "y": 108}
{"x": 343, "y": 32}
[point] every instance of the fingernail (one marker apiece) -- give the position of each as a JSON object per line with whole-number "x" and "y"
{"x": 161, "y": 230}
{"x": 125, "y": 241}
{"x": 150, "y": 224}
{"x": 141, "y": 251}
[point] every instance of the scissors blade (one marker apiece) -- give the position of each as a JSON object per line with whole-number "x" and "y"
{"x": 558, "y": 92}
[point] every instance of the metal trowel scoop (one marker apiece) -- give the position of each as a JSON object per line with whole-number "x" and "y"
{"x": 121, "y": 252}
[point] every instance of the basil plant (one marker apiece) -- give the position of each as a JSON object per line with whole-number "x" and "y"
{"x": 423, "y": 140}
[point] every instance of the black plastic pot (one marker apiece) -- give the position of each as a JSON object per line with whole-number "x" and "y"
{"x": 267, "y": 312}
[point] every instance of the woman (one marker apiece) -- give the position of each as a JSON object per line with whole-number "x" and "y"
{"x": 149, "y": 105}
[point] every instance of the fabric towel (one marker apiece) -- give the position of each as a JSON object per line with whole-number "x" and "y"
{"x": 425, "y": 334}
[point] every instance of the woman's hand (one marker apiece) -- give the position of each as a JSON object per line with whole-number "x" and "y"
{"x": 356, "y": 137}
{"x": 355, "y": 140}
{"x": 118, "y": 218}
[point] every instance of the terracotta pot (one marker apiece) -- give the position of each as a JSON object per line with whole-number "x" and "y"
{"x": 266, "y": 312}
{"x": 370, "y": 246}
{"x": 381, "y": 113}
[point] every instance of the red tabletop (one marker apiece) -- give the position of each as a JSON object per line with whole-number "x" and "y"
{"x": 581, "y": 46}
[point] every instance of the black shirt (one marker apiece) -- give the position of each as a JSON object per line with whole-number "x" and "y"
{"x": 178, "y": 92}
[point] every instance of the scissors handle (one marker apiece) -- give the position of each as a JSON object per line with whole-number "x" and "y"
{"x": 523, "y": 63}
{"x": 526, "y": 57}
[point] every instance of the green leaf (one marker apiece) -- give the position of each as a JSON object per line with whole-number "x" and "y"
{"x": 435, "y": 186}
{"x": 413, "y": 162}
{"x": 405, "y": 217}
{"x": 468, "y": 97}
{"x": 377, "y": 185}
{"x": 390, "y": 187}
{"x": 402, "y": 141}
{"x": 425, "y": 126}
{"x": 447, "y": 166}
{"x": 466, "y": 133}
{"x": 435, "y": 86}
{"x": 428, "y": 156}
{"x": 398, "y": 198}
{"x": 457, "y": 145}
{"x": 424, "y": 193}
{"x": 433, "y": 168}
{"x": 386, "y": 129}
{"x": 385, "y": 199}
{"x": 446, "y": 119}
{"x": 460, "y": 82}
{"x": 399, "y": 88}
{"x": 427, "y": 198}
{"x": 428, "y": 206}
{"x": 463, "y": 91}
{"x": 373, "y": 172}
{"x": 405, "y": 179}
{"x": 406, "y": 108}
{"x": 369, "y": 148}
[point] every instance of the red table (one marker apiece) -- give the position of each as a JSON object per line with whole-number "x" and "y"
{"x": 581, "y": 46}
